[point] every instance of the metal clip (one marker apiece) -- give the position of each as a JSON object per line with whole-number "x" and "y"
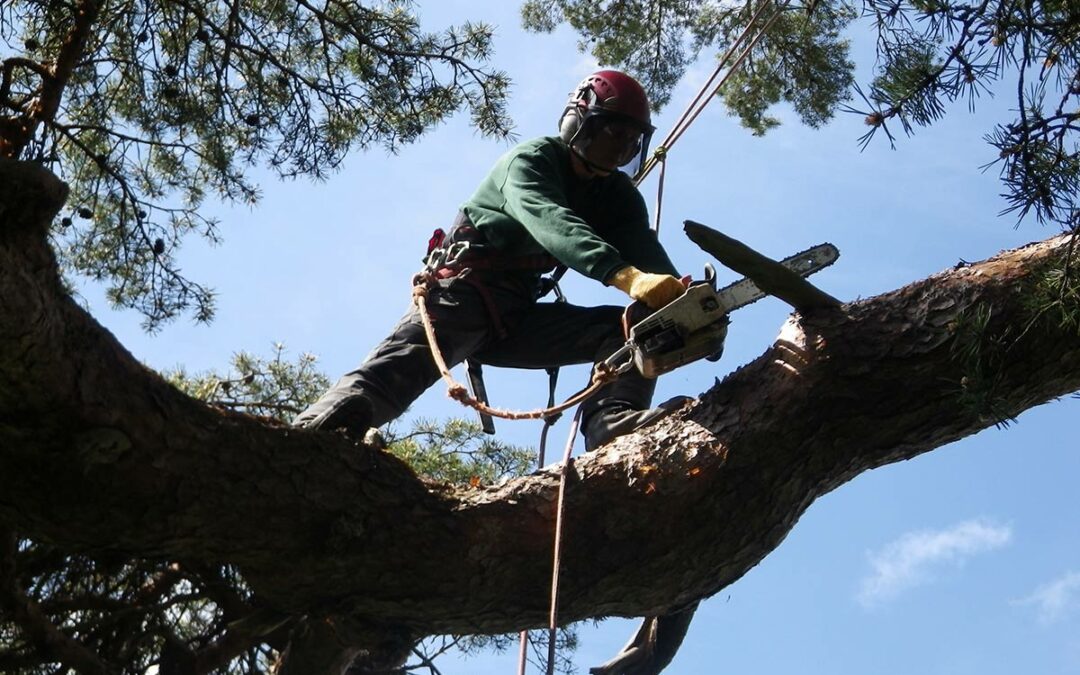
{"x": 627, "y": 350}
{"x": 447, "y": 256}
{"x": 455, "y": 252}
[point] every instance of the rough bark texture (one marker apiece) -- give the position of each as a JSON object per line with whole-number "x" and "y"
{"x": 99, "y": 453}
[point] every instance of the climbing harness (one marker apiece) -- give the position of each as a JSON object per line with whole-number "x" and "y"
{"x": 601, "y": 374}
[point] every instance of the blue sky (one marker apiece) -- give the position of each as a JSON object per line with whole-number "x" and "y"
{"x": 965, "y": 560}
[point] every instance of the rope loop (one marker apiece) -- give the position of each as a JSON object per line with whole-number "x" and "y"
{"x": 602, "y": 373}
{"x": 421, "y": 283}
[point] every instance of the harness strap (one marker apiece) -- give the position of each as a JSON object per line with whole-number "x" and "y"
{"x": 489, "y": 303}
{"x": 540, "y": 262}
{"x": 462, "y": 273}
{"x": 461, "y": 267}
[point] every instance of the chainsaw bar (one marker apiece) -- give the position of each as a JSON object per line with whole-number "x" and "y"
{"x": 744, "y": 291}
{"x": 694, "y": 325}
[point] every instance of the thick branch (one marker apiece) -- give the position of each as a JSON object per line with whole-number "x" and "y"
{"x": 770, "y": 277}
{"x": 109, "y": 457}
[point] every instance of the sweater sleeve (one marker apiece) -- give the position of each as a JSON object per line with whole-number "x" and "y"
{"x": 535, "y": 196}
{"x": 632, "y": 234}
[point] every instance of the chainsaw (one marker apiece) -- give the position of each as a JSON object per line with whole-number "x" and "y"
{"x": 694, "y": 325}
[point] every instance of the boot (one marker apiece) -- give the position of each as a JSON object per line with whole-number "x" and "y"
{"x": 608, "y": 423}
{"x": 653, "y": 646}
{"x": 353, "y": 414}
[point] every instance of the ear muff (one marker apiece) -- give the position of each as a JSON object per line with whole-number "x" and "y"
{"x": 570, "y": 124}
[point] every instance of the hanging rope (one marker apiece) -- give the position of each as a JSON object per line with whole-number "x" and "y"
{"x": 523, "y": 655}
{"x": 662, "y": 158}
{"x": 697, "y": 105}
{"x": 553, "y": 377}
{"x": 556, "y": 563}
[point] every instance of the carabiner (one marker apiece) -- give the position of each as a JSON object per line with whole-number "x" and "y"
{"x": 627, "y": 350}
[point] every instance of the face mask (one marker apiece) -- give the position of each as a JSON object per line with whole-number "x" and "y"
{"x": 620, "y": 138}
{"x": 610, "y": 142}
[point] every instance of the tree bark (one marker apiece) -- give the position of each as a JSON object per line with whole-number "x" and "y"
{"x": 100, "y": 454}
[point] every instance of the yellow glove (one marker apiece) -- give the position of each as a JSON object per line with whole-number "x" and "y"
{"x": 655, "y": 290}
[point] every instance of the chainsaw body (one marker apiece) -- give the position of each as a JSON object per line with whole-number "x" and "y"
{"x": 687, "y": 329}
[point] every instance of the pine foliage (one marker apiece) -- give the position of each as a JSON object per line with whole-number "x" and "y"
{"x": 149, "y": 107}
{"x": 930, "y": 54}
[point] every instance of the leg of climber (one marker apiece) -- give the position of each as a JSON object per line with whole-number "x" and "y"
{"x": 554, "y": 334}
{"x": 400, "y": 368}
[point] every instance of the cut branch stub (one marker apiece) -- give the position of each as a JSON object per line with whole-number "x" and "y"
{"x": 770, "y": 276}
{"x": 30, "y": 197}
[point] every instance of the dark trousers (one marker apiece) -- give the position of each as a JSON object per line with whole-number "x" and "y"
{"x": 537, "y": 335}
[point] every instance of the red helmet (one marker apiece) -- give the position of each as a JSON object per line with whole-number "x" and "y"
{"x": 611, "y": 92}
{"x": 604, "y": 100}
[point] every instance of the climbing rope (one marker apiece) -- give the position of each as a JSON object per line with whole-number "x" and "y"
{"x": 541, "y": 455}
{"x": 661, "y": 154}
{"x": 556, "y": 562}
{"x": 697, "y": 105}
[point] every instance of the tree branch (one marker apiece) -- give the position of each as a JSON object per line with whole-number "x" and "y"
{"x": 43, "y": 109}
{"x": 37, "y": 628}
{"x": 7, "y": 67}
{"x": 136, "y": 468}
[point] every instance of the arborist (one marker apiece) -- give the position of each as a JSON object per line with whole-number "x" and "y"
{"x": 548, "y": 201}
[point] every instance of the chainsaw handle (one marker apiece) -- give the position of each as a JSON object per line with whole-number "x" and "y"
{"x": 637, "y": 311}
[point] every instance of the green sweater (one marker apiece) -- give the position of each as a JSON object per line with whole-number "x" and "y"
{"x": 533, "y": 203}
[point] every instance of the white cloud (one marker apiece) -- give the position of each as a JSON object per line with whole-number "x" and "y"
{"x": 1056, "y": 598}
{"x": 908, "y": 561}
